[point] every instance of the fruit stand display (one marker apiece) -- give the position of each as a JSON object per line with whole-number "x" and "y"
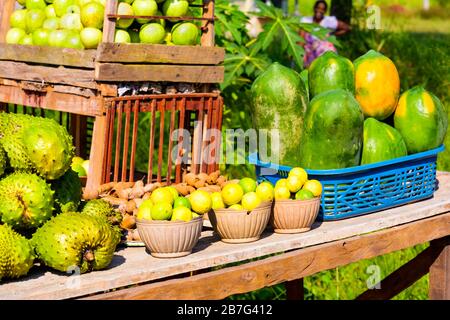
{"x": 82, "y": 82}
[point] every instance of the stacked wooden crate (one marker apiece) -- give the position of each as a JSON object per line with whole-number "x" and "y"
{"x": 83, "y": 82}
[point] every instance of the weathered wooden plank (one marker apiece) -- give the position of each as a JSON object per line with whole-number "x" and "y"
{"x": 406, "y": 275}
{"x": 109, "y": 24}
{"x": 59, "y": 75}
{"x": 6, "y": 8}
{"x": 296, "y": 264}
{"x": 155, "y": 53}
{"x": 53, "y": 100}
{"x": 48, "y": 55}
{"x": 440, "y": 275}
{"x": 173, "y": 73}
{"x": 98, "y": 151}
{"x": 133, "y": 265}
{"x": 208, "y": 35}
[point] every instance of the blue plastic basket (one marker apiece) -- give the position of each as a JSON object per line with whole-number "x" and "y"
{"x": 368, "y": 188}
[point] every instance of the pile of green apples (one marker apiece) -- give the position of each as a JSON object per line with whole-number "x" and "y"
{"x": 78, "y": 23}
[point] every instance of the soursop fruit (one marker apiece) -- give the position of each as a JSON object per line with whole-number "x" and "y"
{"x": 26, "y": 200}
{"x": 68, "y": 191}
{"x": 101, "y": 208}
{"x": 2, "y": 161}
{"x": 75, "y": 240}
{"x": 16, "y": 253}
{"x": 36, "y": 144}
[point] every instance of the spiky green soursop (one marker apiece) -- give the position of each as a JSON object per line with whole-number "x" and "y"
{"x": 36, "y": 144}
{"x": 73, "y": 239}
{"x": 16, "y": 253}
{"x": 2, "y": 161}
{"x": 67, "y": 192}
{"x": 26, "y": 200}
{"x": 101, "y": 208}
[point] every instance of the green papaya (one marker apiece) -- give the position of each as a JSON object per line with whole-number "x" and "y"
{"x": 381, "y": 142}
{"x": 333, "y": 131}
{"x": 329, "y": 72}
{"x": 421, "y": 119}
{"x": 279, "y": 102}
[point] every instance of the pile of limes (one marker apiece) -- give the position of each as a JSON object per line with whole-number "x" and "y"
{"x": 245, "y": 194}
{"x": 166, "y": 204}
{"x": 297, "y": 186}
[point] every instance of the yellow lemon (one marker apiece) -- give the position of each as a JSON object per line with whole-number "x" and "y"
{"x": 265, "y": 191}
{"x": 250, "y": 201}
{"x": 232, "y": 193}
{"x": 300, "y": 172}
{"x": 281, "y": 183}
{"x": 314, "y": 186}
{"x": 173, "y": 191}
{"x": 181, "y": 213}
{"x": 294, "y": 183}
{"x": 237, "y": 207}
{"x": 162, "y": 195}
{"x": 282, "y": 193}
{"x": 217, "y": 202}
{"x": 200, "y": 201}
{"x": 145, "y": 210}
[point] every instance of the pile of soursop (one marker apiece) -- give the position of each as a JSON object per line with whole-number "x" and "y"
{"x": 41, "y": 219}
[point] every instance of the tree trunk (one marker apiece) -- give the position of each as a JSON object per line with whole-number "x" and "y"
{"x": 342, "y": 10}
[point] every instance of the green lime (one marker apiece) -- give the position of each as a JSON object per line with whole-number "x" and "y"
{"x": 304, "y": 194}
{"x": 248, "y": 184}
{"x": 161, "y": 211}
{"x": 182, "y": 202}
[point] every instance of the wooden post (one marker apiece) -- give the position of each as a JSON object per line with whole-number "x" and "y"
{"x": 109, "y": 25}
{"x": 440, "y": 274}
{"x": 98, "y": 149}
{"x": 294, "y": 289}
{"x": 6, "y": 8}
{"x": 208, "y": 26}
{"x": 78, "y": 128}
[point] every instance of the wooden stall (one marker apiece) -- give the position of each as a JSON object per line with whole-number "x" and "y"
{"x": 80, "y": 82}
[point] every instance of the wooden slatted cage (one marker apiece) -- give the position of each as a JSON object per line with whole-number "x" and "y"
{"x": 161, "y": 137}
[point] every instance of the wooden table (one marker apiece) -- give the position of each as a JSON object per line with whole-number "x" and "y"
{"x": 134, "y": 274}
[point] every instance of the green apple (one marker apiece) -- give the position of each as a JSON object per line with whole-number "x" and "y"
{"x": 175, "y": 8}
{"x": 153, "y": 33}
{"x": 22, "y": 2}
{"x": 61, "y": 6}
{"x": 56, "y": 38}
{"x": 18, "y": 19}
{"x": 74, "y": 9}
{"x": 40, "y": 37}
{"x": 144, "y": 8}
{"x": 50, "y": 11}
{"x": 160, "y": 21}
{"x": 124, "y": 9}
{"x": 134, "y": 36}
{"x": 26, "y": 40}
{"x": 49, "y": 1}
{"x": 77, "y": 160}
{"x": 71, "y": 21}
{"x": 92, "y": 15}
{"x": 127, "y": 1}
{"x": 81, "y": 3}
{"x": 52, "y": 23}
{"x": 91, "y": 37}
{"x": 14, "y": 35}
{"x": 35, "y": 4}
{"x": 73, "y": 40}
{"x": 121, "y": 36}
{"x": 185, "y": 33}
{"x": 34, "y": 19}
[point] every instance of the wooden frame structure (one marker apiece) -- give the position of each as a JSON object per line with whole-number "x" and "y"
{"x": 282, "y": 258}
{"x": 80, "y": 81}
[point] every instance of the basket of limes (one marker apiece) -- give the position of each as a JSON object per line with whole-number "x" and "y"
{"x": 241, "y": 211}
{"x": 297, "y": 202}
{"x": 170, "y": 225}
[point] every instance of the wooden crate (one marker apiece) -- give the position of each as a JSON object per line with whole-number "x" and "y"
{"x": 113, "y": 62}
{"x": 80, "y": 82}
